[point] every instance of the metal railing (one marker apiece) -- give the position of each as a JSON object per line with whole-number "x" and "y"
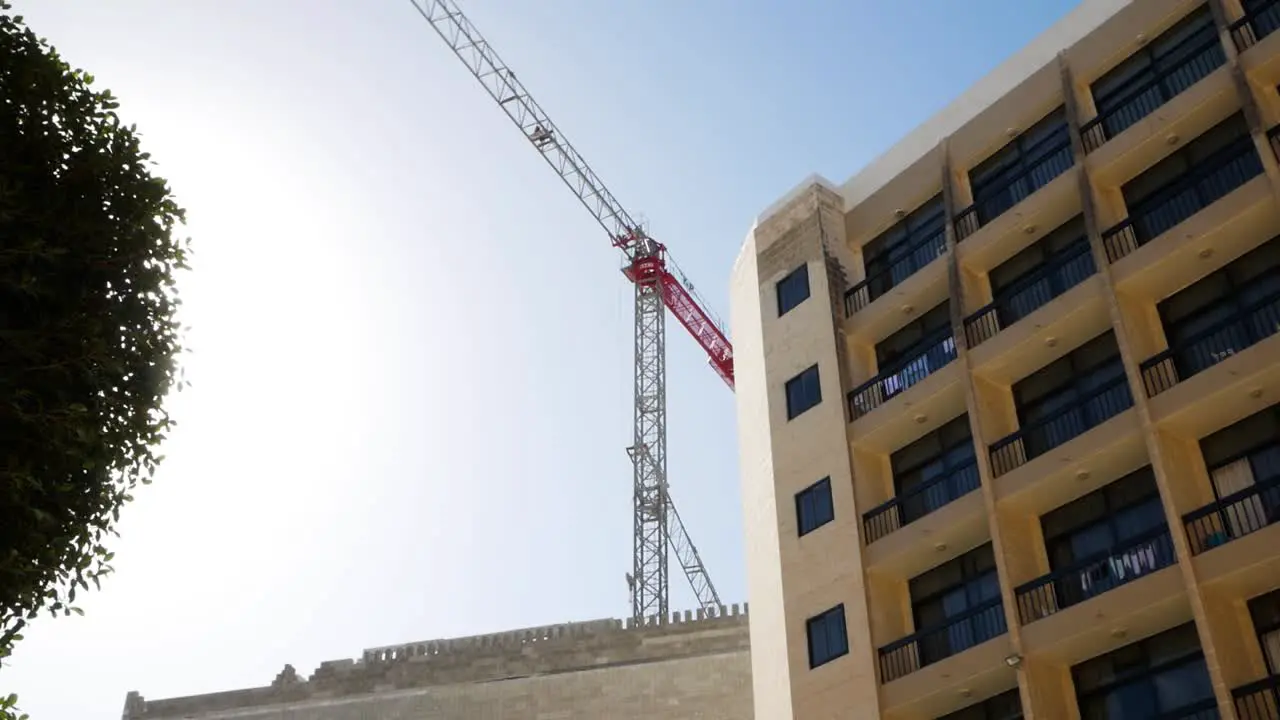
{"x": 1255, "y": 25}
{"x": 1232, "y": 517}
{"x": 1068, "y": 267}
{"x": 1203, "y": 57}
{"x": 1053, "y": 157}
{"x": 1129, "y": 560}
{"x": 1206, "y": 183}
{"x": 920, "y": 500}
{"x": 1258, "y": 700}
{"x": 896, "y": 267}
{"x": 1236, "y": 333}
{"x": 939, "y": 349}
{"x": 973, "y": 627}
{"x": 1038, "y": 438}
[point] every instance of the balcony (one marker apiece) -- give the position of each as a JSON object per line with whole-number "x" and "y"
{"x": 1199, "y": 60}
{"x": 1052, "y": 158}
{"x": 1235, "y": 333}
{"x": 1243, "y": 512}
{"x": 898, "y": 266}
{"x": 1091, "y": 577}
{"x": 1258, "y": 700}
{"x": 966, "y": 630}
{"x": 1215, "y": 178}
{"x": 939, "y": 350}
{"x": 1068, "y": 268}
{"x": 1256, "y": 24}
{"x": 1038, "y": 438}
{"x": 919, "y": 501}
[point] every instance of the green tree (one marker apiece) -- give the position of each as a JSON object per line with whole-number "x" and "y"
{"x": 89, "y": 340}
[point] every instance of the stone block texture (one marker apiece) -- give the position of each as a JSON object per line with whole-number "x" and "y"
{"x": 679, "y": 668}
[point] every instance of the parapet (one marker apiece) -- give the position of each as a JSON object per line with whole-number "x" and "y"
{"x": 568, "y": 647}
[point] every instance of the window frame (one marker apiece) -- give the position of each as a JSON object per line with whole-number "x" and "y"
{"x": 820, "y": 622}
{"x": 783, "y": 286}
{"x": 803, "y": 380}
{"x": 819, "y": 491}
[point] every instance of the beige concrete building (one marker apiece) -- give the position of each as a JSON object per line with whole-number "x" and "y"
{"x": 1009, "y": 398}
{"x": 688, "y": 668}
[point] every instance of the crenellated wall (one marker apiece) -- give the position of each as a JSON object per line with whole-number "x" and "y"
{"x": 699, "y": 659}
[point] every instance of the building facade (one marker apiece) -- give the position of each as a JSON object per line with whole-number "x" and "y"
{"x": 1009, "y": 399}
{"x": 690, "y": 667}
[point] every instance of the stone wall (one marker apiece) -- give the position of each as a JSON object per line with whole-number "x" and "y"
{"x": 692, "y": 665}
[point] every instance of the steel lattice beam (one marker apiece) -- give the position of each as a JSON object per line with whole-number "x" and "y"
{"x": 659, "y": 283}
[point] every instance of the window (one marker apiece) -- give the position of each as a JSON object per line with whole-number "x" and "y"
{"x": 912, "y": 243}
{"x": 1225, "y": 312}
{"x": 813, "y": 506}
{"x": 1191, "y": 178}
{"x": 1052, "y": 265}
{"x": 961, "y": 599}
{"x": 1005, "y": 706}
{"x": 1071, "y": 395}
{"x": 1152, "y": 678}
{"x": 803, "y": 392}
{"x": 935, "y": 469}
{"x": 1107, "y": 538}
{"x": 828, "y": 638}
{"x": 1265, "y": 611}
{"x": 1244, "y": 470}
{"x": 1155, "y": 74}
{"x": 793, "y": 289}
{"x": 914, "y": 337}
{"x": 1028, "y": 163}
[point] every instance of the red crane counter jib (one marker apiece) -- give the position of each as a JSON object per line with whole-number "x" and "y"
{"x": 651, "y": 268}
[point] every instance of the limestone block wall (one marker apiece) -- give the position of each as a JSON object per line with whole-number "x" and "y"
{"x": 691, "y": 665}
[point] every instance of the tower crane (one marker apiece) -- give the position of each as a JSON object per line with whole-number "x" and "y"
{"x": 659, "y": 283}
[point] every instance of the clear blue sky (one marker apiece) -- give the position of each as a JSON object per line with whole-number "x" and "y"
{"x": 411, "y": 347}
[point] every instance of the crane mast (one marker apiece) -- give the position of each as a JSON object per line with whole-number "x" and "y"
{"x": 658, "y": 284}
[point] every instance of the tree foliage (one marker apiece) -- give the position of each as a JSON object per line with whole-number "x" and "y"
{"x": 89, "y": 340}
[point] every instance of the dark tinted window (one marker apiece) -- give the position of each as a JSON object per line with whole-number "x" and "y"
{"x": 911, "y": 339}
{"x": 1151, "y": 678}
{"x": 803, "y": 392}
{"x": 828, "y": 638}
{"x": 1067, "y": 380}
{"x": 813, "y": 506}
{"x": 1184, "y": 159}
{"x": 918, "y": 225}
{"x": 793, "y": 289}
{"x": 1230, "y": 443}
{"x": 1093, "y": 525}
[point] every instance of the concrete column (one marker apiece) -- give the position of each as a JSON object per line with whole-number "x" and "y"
{"x": 1034, "y": 707}
{"x": 1155, "y": 449}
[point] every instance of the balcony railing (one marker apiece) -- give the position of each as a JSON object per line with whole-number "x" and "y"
{"x": 1199, "y": 60}
{"x": 897, "y": 267}
{"x": 1052, "y": 158}
{"x": 1040, "y": 437}
{"x": 1255, "y": 25}
{"x": 1205, "y": 184}
{"x": 1258, "y": 700}
{"x": 1067, "y": 268}
{"x": 920, "y": 500}
{"x": 939, "y": 350}
{"x": 1235, "y": 333}
{"x": 1089, "y": 578}
{"x": 1243, "y": 512}
{"x": 959, "y": 633}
